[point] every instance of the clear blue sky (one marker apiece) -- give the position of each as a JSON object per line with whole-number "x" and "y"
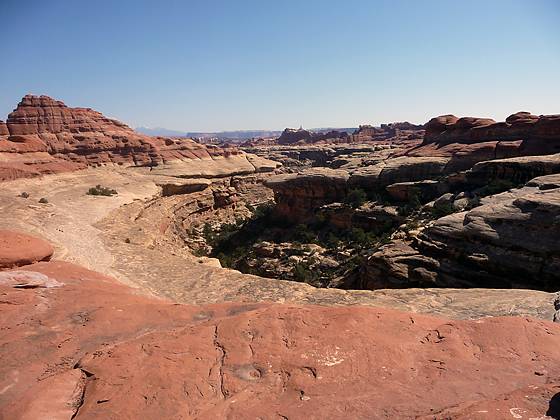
{"x": 213, "y": 65}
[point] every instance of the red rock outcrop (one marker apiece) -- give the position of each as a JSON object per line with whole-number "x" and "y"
{"x": 291, "y": 136}
{"x": 298, "y": 196}
{"x": 394, "y": 132}
{"x": 510, "y": 240}
{"x": 469, "y": 140}
{"x": 44, "y": 136}
{"x": 77, "y": 344}
{"x": 17, "y": 249}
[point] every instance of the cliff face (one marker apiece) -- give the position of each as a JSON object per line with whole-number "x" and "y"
{"x": 43, "y": 135}
{"x": 297, "y": 196}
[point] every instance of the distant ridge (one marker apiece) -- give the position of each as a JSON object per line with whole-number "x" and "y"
{"x": 228, "y": 135}
{"x": 160, "y": 131}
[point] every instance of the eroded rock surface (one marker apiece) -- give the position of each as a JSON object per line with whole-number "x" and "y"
{"x": 102, "y": 350}
{"x": 511, "y": 240}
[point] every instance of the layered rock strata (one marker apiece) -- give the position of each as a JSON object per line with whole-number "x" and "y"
{"x": 43, "y": 135}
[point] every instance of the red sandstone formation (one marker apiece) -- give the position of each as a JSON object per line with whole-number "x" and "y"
{"x": 469, "y": 140}
{"x": 43, "y": 135}
{"x": 17, "y": 249}
{"x": 394, "y": 132}
{"x": 291, "y": 136}
{"x": 3, "y": 129}
{"x": 77, "y": 344}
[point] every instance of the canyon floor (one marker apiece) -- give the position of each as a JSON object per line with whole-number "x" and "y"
{"x": 124, "y": 236}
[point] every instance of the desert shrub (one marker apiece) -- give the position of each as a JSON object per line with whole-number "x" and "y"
{"x": 208, "y": 233}
{"x": 355, "y": 197}
{"x": 412, "y": 225}
{"x": 496, "y": 186}
{"x": 412, "y": 205}
{"x": 297, "y": 249}
{"x": 442, "y": 210}
{"x": 361, "y": 237}
{"x": 303, "y": 234}
{"x": 332, "y": 240}
{"x": 302, "y": 272}
{"x": 226, "y": 260}
{"x": 101, "y": 190}
{"x": 262, "y": 210}
{"x": 43, "y": 200}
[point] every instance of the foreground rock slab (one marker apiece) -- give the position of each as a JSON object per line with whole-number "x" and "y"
{"x": 18, "y": 249}
{"x": 94, "y": 348}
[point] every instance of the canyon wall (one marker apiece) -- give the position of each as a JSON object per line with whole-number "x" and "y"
{"x": 493, "y": 238}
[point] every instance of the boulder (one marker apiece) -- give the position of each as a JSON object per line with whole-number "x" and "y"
{"x": 176, "y": 186}
{"x": 418, "y": 190}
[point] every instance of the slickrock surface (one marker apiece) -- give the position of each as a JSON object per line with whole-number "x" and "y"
{"x": 79, "y": 344}
{"x": 43, "y": 135}
{"x": 18, "y": 249}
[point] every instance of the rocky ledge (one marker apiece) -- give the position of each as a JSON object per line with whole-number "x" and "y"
{"x": 73, "y": 342}
{"x": 510, "y": 240}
